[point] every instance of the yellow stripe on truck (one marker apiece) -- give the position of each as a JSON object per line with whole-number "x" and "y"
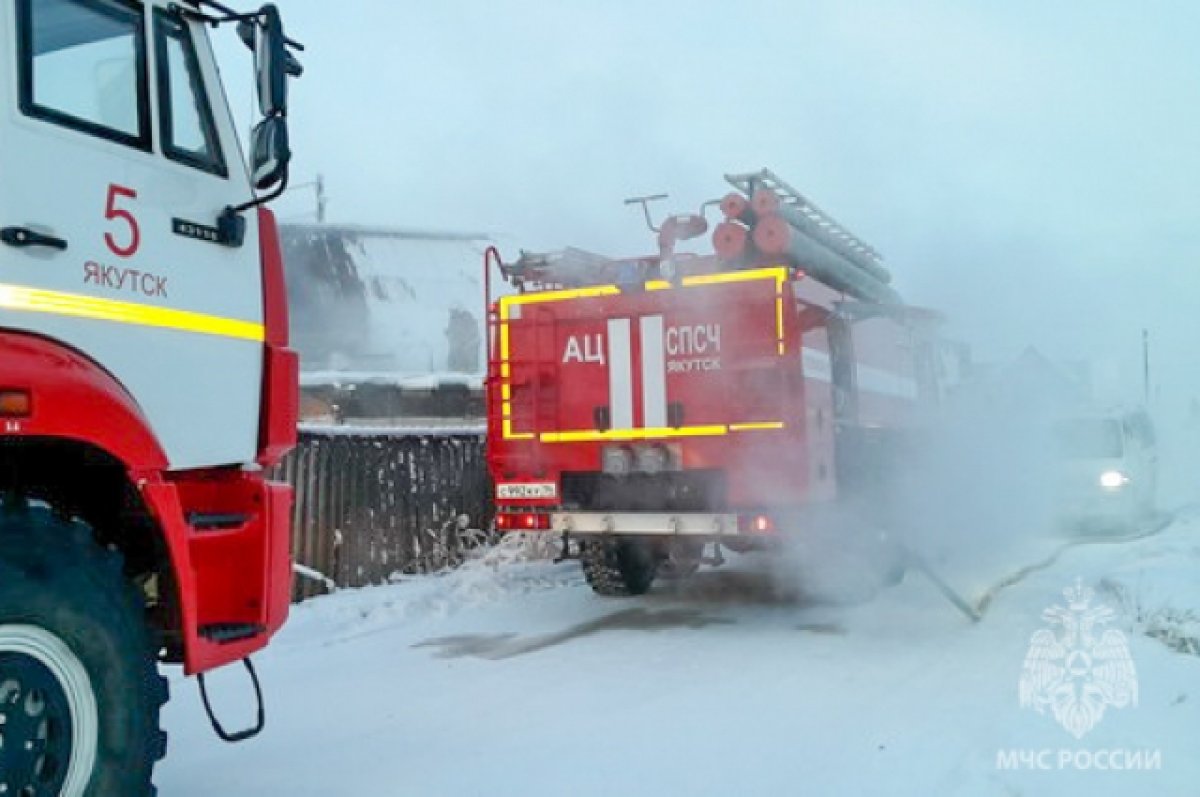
{"x": 74, "y": 305}
{"x": 650, "y": 433}
{"x": 777, "y": 273}
{"x": 555, "y": 296}
{"x": 589, "y": 435}
{"x": 755, "y": 427}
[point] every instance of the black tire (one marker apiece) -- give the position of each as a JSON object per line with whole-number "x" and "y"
{"x": 66, "y": 609}
{"x": 619, "y": 567}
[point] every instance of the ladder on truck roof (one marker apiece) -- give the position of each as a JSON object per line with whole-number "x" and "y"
{"x": 783, "y": 223}
{"x": 789, "y": 197}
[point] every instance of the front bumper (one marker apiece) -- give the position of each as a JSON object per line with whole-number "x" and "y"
{"x": 1098, "y": 505}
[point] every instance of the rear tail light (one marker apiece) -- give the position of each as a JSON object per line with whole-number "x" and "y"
{"x": 15, "y": 404}
{"x": 522, "y": 521}
{"x": 756, "y": 524}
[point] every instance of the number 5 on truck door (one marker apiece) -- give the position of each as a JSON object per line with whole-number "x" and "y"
{"x": 133, "y": 234}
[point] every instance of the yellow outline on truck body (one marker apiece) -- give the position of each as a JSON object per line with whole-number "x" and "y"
{"x": 778, "y": 273}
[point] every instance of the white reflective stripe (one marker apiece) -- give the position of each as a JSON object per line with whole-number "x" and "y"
{"x": 654, "y": 373}
{"x": 620, "y": 374}
{"x": 886, "y": 383}
{"x": 815, "y": 364}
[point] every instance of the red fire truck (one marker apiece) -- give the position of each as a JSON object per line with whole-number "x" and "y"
{"x": 145, "y": 378}
{"x": 648, "y": 407}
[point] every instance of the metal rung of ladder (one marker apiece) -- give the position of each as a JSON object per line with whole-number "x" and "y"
{"x": 750, "y": 182}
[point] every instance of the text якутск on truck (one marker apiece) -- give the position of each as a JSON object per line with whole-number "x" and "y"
{"x": 145, "y": 377}
{"x": 649, "y": 407}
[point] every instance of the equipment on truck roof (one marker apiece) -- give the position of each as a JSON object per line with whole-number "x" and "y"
{"x": 770, "y": 219}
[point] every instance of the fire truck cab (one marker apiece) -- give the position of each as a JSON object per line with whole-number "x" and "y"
{"x": 145, "y": 377}
{"x": 647, "y": 407}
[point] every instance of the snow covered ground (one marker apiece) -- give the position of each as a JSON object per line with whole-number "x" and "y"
{"x": 510, "y": 677}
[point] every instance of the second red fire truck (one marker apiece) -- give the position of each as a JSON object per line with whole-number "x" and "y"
{"x": 648, "y": 407}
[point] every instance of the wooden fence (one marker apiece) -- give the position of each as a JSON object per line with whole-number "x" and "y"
{"x": 374, "y": 503}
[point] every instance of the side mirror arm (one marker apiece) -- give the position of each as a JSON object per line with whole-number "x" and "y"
{"x": 231, "y": 224}
{"x": 228, "y": 15}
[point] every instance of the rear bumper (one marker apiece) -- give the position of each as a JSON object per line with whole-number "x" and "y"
{"x": 675, "y": 524}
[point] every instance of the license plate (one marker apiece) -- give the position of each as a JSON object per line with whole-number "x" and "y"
{"x": 521, "y": 491}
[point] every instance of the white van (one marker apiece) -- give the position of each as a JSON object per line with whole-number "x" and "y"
{"x": 1108, "y": 468}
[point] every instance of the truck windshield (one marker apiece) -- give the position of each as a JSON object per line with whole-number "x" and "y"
{"x": 1089, "y": 439}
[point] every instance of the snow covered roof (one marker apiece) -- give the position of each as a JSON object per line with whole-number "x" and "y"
{"x": 388, "y": 301}
{"x": 417, "y": 381}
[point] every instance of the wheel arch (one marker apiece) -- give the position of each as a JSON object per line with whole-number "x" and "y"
{"x": 86, "y": 450}
{"x": 74, "y": 398}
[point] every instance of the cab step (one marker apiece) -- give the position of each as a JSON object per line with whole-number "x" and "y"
{"x": 216, "y": 521}
{"x": 225, "y": 633}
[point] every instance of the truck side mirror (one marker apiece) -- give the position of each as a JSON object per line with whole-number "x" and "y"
{"x": 270, "y": 152}
{"x": 271, "y": 62}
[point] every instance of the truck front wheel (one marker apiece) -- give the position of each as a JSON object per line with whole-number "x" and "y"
{"x": 80, "y": 693}
{"x": 619, "y": 566}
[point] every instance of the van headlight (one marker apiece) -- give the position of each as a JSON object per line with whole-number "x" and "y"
{"x": 1113, "y": 480}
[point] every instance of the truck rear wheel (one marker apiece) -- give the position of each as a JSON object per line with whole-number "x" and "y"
{"x": 619, "y": 566}
{"x": 80, "y": 693}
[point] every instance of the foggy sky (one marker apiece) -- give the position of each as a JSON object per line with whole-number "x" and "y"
{"x": 1030, "y": 169}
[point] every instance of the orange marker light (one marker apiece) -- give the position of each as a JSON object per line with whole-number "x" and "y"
{"x": 15, "y": 404}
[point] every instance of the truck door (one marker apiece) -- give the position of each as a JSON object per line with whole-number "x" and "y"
{"x": 819, "y": 417}
{"x": 117, "y": 154}
{"x": 851, "y": 455}
{"x": 841, "y": 363}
